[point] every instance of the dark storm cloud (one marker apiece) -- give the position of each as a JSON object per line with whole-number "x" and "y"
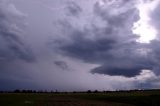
{"x": 154, "y": 21}
{"x": 155, "y": 16}
{"x": 93, "y": 46}
{"x": 154, "y": 55}
{"x": 63, "y": 65}
{"x": 114, "y": 46}
{"x": 12, "y": 46}
{"x": 15, "y": 48}
{"x": 128, "y": 71}
{"x": 118, "y": 59}
{"x": 87, "y": 49}
{"x": 118, "y": 18}
{"x": 10, "y": 84}
{"x": 73, "y": 9}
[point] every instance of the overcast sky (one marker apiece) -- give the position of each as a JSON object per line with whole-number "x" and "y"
{"x": 79, "y": 44}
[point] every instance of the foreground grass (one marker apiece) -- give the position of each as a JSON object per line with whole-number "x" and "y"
{"x": 136, "y": 98}
{"x": 20, "y": 99}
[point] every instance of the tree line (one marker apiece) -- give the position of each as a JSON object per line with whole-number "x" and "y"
{"x": 88, "y": 91}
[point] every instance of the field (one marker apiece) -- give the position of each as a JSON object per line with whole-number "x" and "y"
{"x": 123, "y": 98}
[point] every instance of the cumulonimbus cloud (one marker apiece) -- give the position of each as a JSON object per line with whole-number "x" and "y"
{"x": 12, "y": 46}
{"x": 114, "y": 47}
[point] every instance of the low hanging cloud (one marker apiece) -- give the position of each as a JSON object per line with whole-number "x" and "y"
{"x": 128, "y": 71}
{"x": 61, "y": 64}
{"x": 73, "y": 9}
{"x": 114, "y": 46}
{"x": 12, "y": 46}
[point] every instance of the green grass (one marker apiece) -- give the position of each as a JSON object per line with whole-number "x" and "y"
{"x": 19, "y": 99}
{"x": 153, "y": 100}
{"x": 136, "y": 98}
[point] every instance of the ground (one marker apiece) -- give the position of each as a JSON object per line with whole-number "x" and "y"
{"x": 125, "y": 98}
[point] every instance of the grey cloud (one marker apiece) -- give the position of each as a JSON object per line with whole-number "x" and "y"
{"x": 73, "y": 9}
{"x": 114, "y": 46}
{"x": 119, "y": 19}
{"x": 10, "y": 32}
{"x": 87, "y": 49}
{"x": 155, "y": 16}
{"x": 10, "y": 84}
{"x": 90, "y": 40}
{"x": 63, "y": 65}
{"x": 154, "y": 55}
{"x": 127, "y": 71}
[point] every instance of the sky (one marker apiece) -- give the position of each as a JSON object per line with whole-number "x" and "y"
{"x": 71, "y": 45}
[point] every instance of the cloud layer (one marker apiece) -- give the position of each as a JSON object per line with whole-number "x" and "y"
{"x": 76, "y": 45}
{"x": 12, "y": 47}
{"x": 113, "y": 46}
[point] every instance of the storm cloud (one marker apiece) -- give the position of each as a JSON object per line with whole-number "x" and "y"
{"x": 73, "y": 9}
{"x": 70, "y": 45}
{"x": 12, "y": 46}
{"x": 114, "y": 46}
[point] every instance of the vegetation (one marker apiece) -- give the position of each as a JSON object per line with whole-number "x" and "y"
{"x": 89, "y": 98}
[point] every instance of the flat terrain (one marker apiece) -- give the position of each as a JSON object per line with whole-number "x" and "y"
{"x": 132, "y": 98}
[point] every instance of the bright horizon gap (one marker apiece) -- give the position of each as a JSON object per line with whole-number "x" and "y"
{"x": 142, "y": 27}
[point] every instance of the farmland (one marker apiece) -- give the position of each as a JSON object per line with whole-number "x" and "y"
{"x": 119, "y": 98}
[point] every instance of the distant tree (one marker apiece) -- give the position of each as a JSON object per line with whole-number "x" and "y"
{"x": 29, "y": 91}
{"x": 89, "y": 91}
{"x": 40, "y": 91}
{"x": 56, "y": 91}
{"x": 24, "y": 91}
{"x": 1, "y": 91}
{"x": 74, "y": 92}
{"x": 17, "y": 91}
{"x": 51, "y": 91}
{"x": 34, "y": 91}
{"x": 96, "y": 91}
{"x": 65, "y": 92}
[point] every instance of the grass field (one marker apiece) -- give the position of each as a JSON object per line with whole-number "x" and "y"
{"x": 134, "y": 98}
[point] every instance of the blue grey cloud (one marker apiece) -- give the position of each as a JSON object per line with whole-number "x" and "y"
{"x": 113, "y": 46}
{"x": 73, "y": 9}
{"x": 61, "y": 64}
{"x": 127, "y": 70}
{"x": 75, "y": 45}
{"x": 12, "y": 46}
